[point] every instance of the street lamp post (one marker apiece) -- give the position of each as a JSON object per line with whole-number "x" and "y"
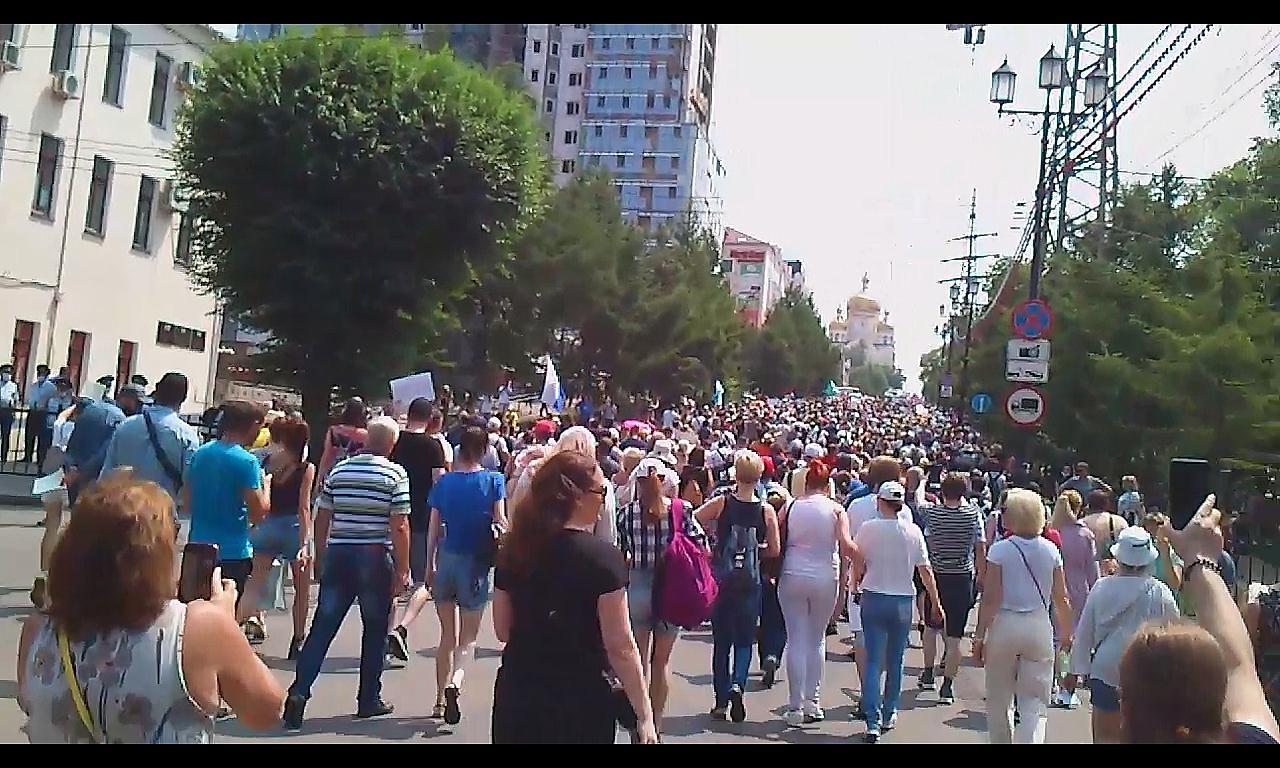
{"x": 1052, "y": 77}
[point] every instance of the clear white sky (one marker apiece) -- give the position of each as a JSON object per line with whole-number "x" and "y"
{"x": 855, "y": 147}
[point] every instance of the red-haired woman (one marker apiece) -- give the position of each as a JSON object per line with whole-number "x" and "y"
{"x": 817, "y": 534}
{"x": 286, "y": 533}
{"x": 560, "y": 606}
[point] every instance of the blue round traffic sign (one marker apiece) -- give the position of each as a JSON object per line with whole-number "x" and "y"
{"x": 980, "y": 403}
{"x": 1032, "y": 319}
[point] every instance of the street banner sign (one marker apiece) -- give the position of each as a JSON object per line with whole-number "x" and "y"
{"x": 980, "y": 403}
{"x": 1027, "y": 371}
{"x": 1022, "y": 349}
{"x": 1025, "y": 406}
{"x": 1032, "y": 319}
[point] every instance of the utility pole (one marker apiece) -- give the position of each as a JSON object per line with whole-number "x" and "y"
{"x": 969, "y": 293}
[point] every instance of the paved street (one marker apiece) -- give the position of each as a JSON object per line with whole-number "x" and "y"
{"x": 329, "y": 718}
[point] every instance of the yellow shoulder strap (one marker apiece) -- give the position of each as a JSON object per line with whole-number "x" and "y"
{"x": 69, "y": 671}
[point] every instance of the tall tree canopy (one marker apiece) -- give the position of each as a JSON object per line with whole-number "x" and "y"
{"x": 791, "y": 351}
{"x": 344, "y": 188}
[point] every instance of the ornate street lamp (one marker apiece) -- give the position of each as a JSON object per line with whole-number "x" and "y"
{"x": 1053, "y": 70}
{"x": 1095, "y": 86}
{"x": 1002, "y": 84}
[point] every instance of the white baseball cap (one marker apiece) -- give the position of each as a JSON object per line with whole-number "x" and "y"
{"x": 892, "y": 491}
{"x": 813, "y": 451}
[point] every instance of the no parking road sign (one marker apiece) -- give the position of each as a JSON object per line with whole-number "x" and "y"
{"x": 1032, "y": 319}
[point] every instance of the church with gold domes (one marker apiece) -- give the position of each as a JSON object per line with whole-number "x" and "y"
{"x": 861, "y": 323}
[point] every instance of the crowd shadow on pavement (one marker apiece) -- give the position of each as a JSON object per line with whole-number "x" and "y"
{"x": 388, "y": 728}
{"x": 969, "y": 720}
{"x": 773, "y": 729}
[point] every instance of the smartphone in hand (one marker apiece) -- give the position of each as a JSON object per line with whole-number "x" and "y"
{"x": 198, "y": 562}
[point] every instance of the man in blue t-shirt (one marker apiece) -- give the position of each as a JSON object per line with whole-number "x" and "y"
{"x": 226, "y": 491}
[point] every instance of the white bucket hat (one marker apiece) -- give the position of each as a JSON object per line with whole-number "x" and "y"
{"x": 1134, "y": 547}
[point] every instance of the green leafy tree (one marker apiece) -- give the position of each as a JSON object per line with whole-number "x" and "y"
{"x": 791, "y": 351}
{"x": 344, "y": 190}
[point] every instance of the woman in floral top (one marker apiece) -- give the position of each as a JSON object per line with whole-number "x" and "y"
{"x": 148, "y": 668}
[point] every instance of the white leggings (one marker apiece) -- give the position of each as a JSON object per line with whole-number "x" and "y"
{"x": 807, "y": 604}
{"x": 1019, "y": 653}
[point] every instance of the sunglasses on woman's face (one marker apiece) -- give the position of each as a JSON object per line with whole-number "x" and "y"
{"x": 601, "y": 491}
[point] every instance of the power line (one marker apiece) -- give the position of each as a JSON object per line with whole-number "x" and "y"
{"x": 1211, "y": 120}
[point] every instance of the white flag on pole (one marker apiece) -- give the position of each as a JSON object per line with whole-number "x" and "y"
{"x": 551, "y": 386}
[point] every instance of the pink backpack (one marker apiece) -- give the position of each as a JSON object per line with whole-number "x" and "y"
{"x": 686, "y": 588}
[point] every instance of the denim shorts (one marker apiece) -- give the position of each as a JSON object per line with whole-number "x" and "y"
{"x": 461, "y": 579}
{"x": 276, "y": 538}
{"x": 640, "y": 605}
{"x": 1103, "y": 696}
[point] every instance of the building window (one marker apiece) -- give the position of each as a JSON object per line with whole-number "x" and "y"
{"x": 600, "y": 101}
{"x": 579, "y": 26}
{"x": 551, "y": 77}
{"x": 675, "y": 163}
{"x": 548, "y": 137}
{"x": 655, "y": 43}
{"x": 99, "y": 187}
{"x": 159, "y": 90}
{"x": 47, "y": 175}
{"x": 626, "y": 72}
{"x": 671, "y": 192}
{"x": 576, "y": 51}
{"x": 653, "y": 70}
{"x": 676, "y": 131}
{"x": 604, "y": 73}
{"x": 171, "y": 335}
{"x": 76, "y": 347}
{"x": 567, "y": 166}
{"x": 551, "y": 105}
{"x": 125, "y": 356}
{"x": 555, "y": 49}
{"x": 572, "y": 108}
{"x": 64, "y": 44}
{"x": 594, "y": 160}
{"x": 533, "y": 76}
{"x": 631, "y": 43}
{"x": 599, "y": 131}
{"x": 666, "y": 102}
{"x": 626, "y": 102}
{"x": 112, "y": 85}
{"x": 650, "y": 100}
{"x": 647, "y": 163}
{"x": 726, "y": 266}
{"x": 537, "y": 46}
{"x": 182, "y": 251}
{"x": 621, "y": 160}
{"x": 570, "y": 137}
{"x": 142, "y": 220}
{"x": 24, "y": 334}
{"x": 622, "y": 131}
{"x": 604, "y": 43}
{"x": 575, "y": 78}
{"x": 650, "y": 132}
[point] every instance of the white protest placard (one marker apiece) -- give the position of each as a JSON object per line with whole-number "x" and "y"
{"x": 406, "y": 389}
{"x": 42, "y": 485}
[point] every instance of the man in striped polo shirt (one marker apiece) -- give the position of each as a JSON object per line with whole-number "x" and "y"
{"x": 362, "y": 538}
{"x": 957, "y": 550}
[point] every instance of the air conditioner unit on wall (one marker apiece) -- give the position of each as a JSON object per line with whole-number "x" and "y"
{"x": 9, "y": 53}
{"x": 66, "y": 84}
{"x": 189, "y": 75}
{"x": 172, "y": 197}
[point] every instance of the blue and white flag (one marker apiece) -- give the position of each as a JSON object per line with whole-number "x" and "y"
{"x": 717, "y": 397}
{"x": 552, "y": 396}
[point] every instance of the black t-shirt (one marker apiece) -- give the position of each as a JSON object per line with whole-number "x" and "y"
{"x": 555, "y": 625}
{"x": 419, "y": 453}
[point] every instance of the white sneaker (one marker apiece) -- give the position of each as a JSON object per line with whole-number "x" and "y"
{"x": 794, "y": 718}
{"x": 813, "y": 713}
{"x": 891, "y": 723}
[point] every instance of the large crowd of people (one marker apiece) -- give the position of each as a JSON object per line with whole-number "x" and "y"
{"x": 592, "y": 539}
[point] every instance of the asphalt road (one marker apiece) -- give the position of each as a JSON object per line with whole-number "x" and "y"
{"x": 412, "y": 690}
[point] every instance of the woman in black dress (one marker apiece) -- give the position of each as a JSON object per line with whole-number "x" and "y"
{"x": 560, "y": 606}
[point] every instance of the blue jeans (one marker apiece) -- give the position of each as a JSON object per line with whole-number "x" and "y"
{"x": 886, "y": 620}
{"x": 733, "y": 631}
{"x": 773, "y": 630}
{"x": 351, "y": 573}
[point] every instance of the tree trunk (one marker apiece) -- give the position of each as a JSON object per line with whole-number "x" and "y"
{"x": 316, "y": 402}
